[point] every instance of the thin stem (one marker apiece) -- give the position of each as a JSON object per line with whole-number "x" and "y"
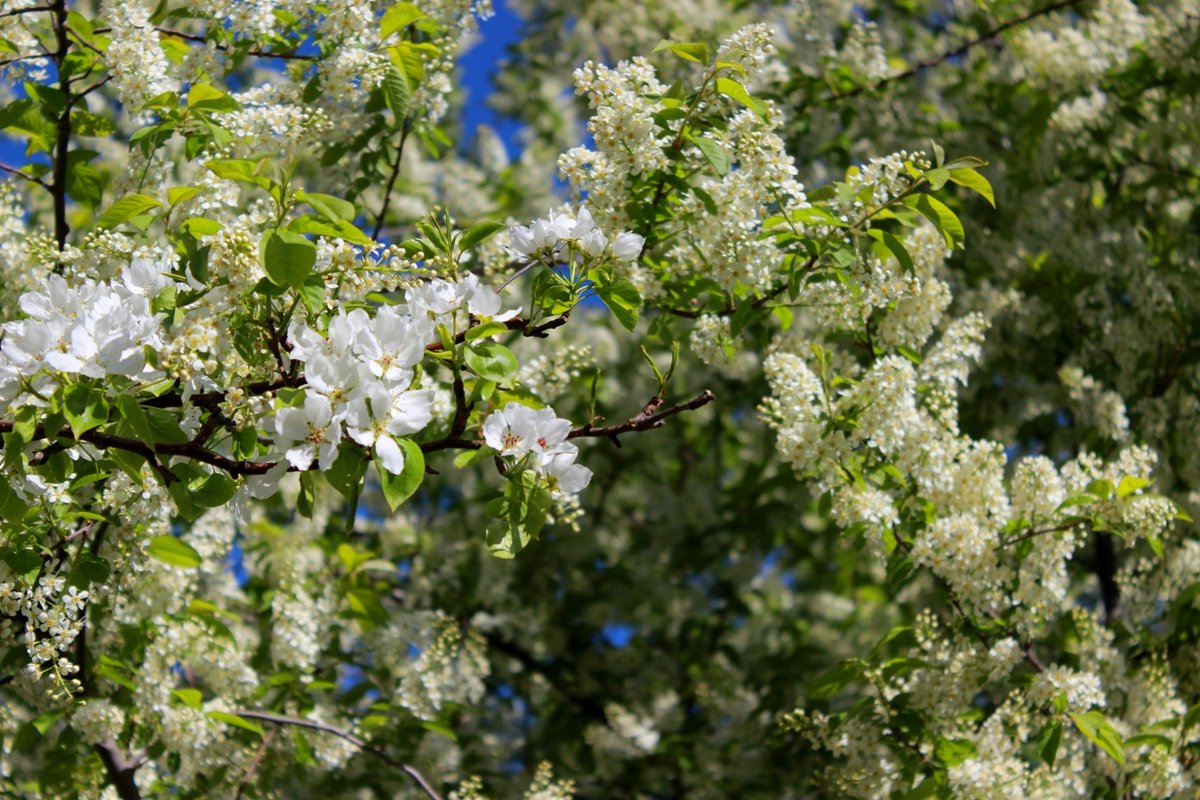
{"x": 196, "y": 37}
{"x": 366, "y": 747}
{"x": 391, "y": 182}
{"x": 30, "y": 10}
{"x": 26, "y": 176}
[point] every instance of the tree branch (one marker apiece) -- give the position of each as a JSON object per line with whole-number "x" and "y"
{"x": 930, "y": 63}
{"x": 26, "y": 176}
{"x": 62, "y": 140}
{"x": 32, "y": 9}
{"x": 361, "y": 744}
{"x": 203, "y": 39}
{"x": 649, "y": 417}
{"x": 120, "y": 770}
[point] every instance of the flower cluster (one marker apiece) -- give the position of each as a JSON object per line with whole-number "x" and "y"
{"x": 519, "y": 431}
{"x": 94, "y": 329}
{"x": 552, "y": 235}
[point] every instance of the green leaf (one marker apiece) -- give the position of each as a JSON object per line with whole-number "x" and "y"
{"x": 714, "y": 152}
{"x": 176, "y": 552}
{"x": 178, "y": 194}
{"x": 84, "y": 184}
{"x": 942, "y": 217}
{"x": 623, "y": 301}
{"x": 398, "y": 488}
{"x": 1049, "y": 740}
{"x": 688, "y": 51}
{"x": 25, "y": 562}
{"x": 398, "y": 17}
{"x": 479, "y": 232}
{"x": 440, "y": 729}
{"x": 1096, "y": 727}
{"x": 84, "y": 408}
{"x": 240, "y": 170}
{"x": 953, "y": 752}
{"x": 735, "y": 91}
{"x": 486, "y": 330}
{"x": 334, "y": 228}
{"x": 364, "y": 603}
{"x": 287, "y": 257}
{"x": 937, "y": 178}
{"x": 129, "y": 206}
{"x": 192, "y": 698}
{"x": 833, "y": 681}
{"x": 327, "y": 205}
{"x": 88, "y": 569}
{"x": 346, "y": 474}
{"x": 236, "y": 721}
{"x": 1130, "y": 484}
{"x": 202, "y": 97}
{"x": 396, "y": 92}
{"x": 975, "y": 182}
{"x": 493, "y": 361}
{"x": 520, "y": 514}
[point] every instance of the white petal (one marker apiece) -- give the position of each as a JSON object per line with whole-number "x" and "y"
{"x": 390, "y": 454}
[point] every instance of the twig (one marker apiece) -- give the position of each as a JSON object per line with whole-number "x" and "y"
{"x": 30, "y": 10}
{"x": 930, "y": 63}
{"x": 26, "y": 176}
{"x": 195, "y": 37}
{"x": 363, "y": 745}
{"x": 391, "y": 182}
{"x": 252, "y": 767}
{"x": 646, "y": 419}
{"x": 1031, "y": 533}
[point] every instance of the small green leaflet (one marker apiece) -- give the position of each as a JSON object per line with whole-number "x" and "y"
{"x": 714, "y": 152}
{"x": 398, "y": 488}
{"x": 176, "y": 552}
{"x": 125, "y": 209}
{"x": 287, "y": 257}
{"x": 688, "y": 51}
{"x": 975, "y": 182}
{"x": 1096, "y": 727}
{"x": 942, "y": 217}
{"x": 398, "y": 17}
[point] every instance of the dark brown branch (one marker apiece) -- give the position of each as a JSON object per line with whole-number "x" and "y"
{"x": 120, "y": 770}
{"x": 26, "y": 176}
{"x": 648, "y": 418}
{"x": 196, "y": 37}
{"x": 32, "y": 9}
{"x": 1032, "y": 533}
{"x": 539, "y": 331}
{"x": 16, "y": 59}
{"x": 62, "y": 141}
{"x": 962, "y": 49}
{"x": 1106, "y": 575}
{"x": 361, "y": 744}
{"x": 151, "y": 453}
{"x": 391, "y": 182}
